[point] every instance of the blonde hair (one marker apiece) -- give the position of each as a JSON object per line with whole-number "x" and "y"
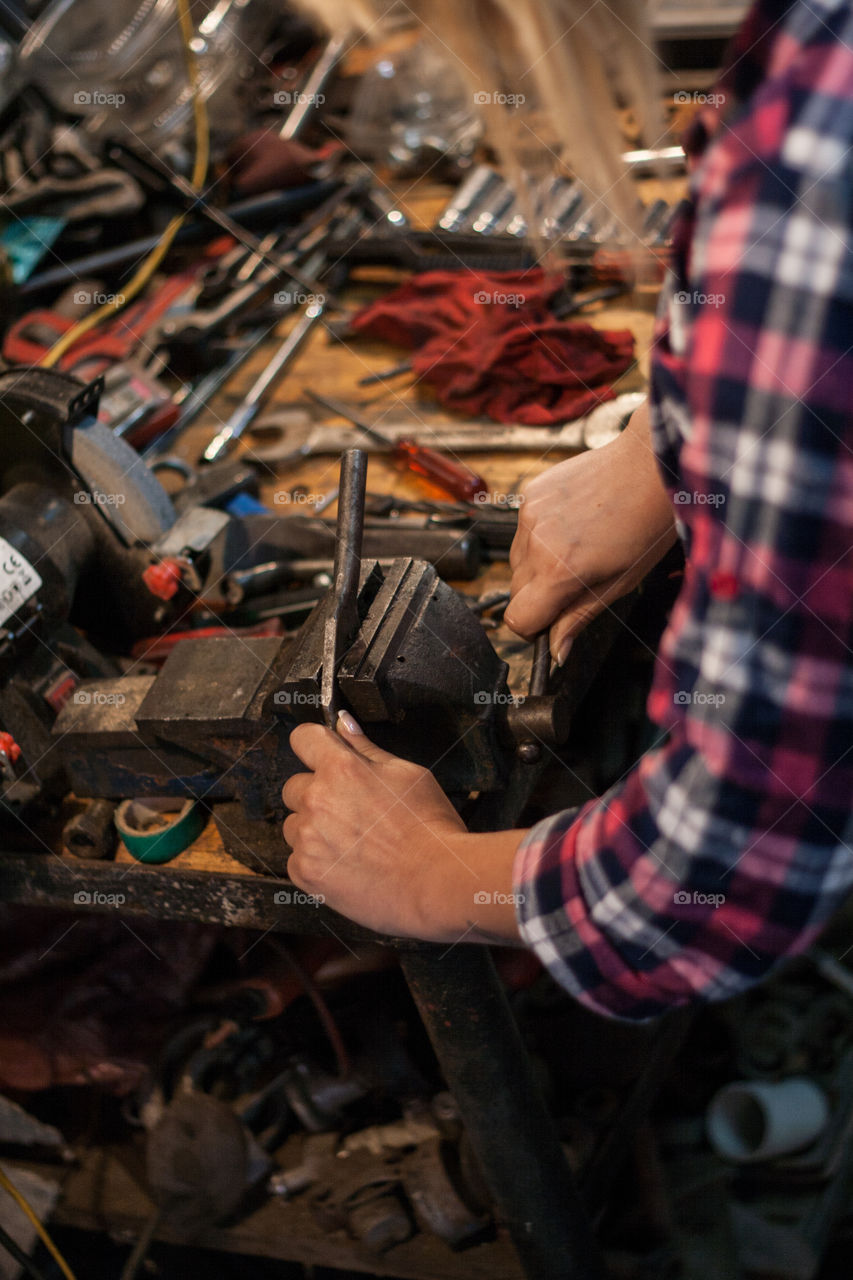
{"x": 584, "y": 60}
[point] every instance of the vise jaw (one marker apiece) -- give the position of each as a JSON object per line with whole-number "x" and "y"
{"x": 214, "y": 723}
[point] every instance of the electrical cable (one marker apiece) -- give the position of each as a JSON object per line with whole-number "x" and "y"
{"x": 24, "y": 1205}
{"x": 23, "y": 1260}
{"x": 323, "y": 1011}
{"x": 142, "y": 1247}
{"x": 150, "y": 264}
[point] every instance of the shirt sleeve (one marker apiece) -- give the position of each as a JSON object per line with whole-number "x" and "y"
{"x": 729, "y": 845}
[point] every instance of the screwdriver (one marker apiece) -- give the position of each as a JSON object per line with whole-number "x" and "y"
{"x": 249, "y": 407}
{"x": 453, "y": 477}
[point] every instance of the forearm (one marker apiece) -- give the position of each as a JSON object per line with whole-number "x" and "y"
{"x": 640, "y": 460}
{"x": 589, "y": 531}
{"x": 471, "y": 896}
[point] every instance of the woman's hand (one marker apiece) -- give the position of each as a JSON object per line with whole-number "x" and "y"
{"x": 379, "y": 840}
{"x": 589, "y": 531}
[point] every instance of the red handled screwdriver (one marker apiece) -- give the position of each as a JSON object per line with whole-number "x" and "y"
{"x": 453, "y": 477}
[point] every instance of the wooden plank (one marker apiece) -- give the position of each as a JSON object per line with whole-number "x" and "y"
{"x": 104, "y": 1192}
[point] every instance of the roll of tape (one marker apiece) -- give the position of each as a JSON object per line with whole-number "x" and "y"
{"x": 157, "y": 830}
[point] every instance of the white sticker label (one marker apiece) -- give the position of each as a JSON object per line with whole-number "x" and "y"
{"x": 18, "y": 580}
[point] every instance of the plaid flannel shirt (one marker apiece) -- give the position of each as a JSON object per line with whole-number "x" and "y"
{"x": 729, "y": 845}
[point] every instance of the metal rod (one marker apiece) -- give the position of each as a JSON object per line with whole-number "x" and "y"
{"x": 320, "y": 73}
{"x": 530, "y": 750}
{"x": 540, "y": 668}
{"x": 273, "y": 205}
{"x": 248, "y": 409}
{"x": 342, "y": 619}
{"x": 484, "y": 1062}
{"x": 205, "y": 389}
{"x": 606, "y": 1162}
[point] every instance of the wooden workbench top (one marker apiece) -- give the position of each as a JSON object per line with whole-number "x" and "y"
{"x": 334, "y": 367}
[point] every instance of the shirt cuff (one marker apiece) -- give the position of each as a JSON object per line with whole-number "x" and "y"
{"x": 553, "y": 915}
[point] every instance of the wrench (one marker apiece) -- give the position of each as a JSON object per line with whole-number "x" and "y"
{"x": 289, "y": 435}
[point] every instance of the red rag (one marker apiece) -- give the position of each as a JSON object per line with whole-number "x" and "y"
{"x": 488, "y": 344}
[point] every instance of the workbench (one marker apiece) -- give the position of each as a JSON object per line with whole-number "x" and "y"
{"x": 456, "y": 989}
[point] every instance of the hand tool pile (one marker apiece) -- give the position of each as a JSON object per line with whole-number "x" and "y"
{"x": 110, "y": 368}
{"x": 164, "y": 625}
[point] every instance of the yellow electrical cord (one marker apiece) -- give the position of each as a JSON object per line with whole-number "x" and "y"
{"x": 25, "y": 1207}
{"x": 146, "y": 270}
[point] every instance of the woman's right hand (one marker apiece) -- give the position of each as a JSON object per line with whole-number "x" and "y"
{"x": 589, "y": 531}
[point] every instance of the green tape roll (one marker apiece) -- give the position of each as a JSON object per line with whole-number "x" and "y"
{"x": 140, "y": 826}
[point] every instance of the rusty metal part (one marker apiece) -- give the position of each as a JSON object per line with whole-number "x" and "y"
{"x": 432, "y": 1184}
{"x": 535, "y": 712}
{"x": 163, "y": 893}
{"x": 256, "y": 539}
{"x": 317, "y": 1151}
{"x": 386, "y": 1169}
{"x": 543, "y": 719}
{"x": 487, "y": 1070}
{"x": 341, "y": 621}
{"x": 92, "y": 833}
{"x": 420, "y": 659}
{"x": 216, "y": 720}
{"x": 201, "y": 1161}
{"x": 318, "y": 1098}
{"x": 376, "y": 1215}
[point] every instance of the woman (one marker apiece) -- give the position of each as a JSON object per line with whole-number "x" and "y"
{"x": 729, "y": 845}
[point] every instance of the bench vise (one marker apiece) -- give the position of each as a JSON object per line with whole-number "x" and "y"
{"x": 414, "y": 665}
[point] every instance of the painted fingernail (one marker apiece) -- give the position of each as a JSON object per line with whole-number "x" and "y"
{"x": 564, "y": 650}
{"x": 350, "y": 723}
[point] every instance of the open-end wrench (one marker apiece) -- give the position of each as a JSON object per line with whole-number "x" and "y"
{"x": 289, "y": 434}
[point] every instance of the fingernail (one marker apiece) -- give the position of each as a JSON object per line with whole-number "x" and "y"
{"x": 564, "y": 650}
{"x": 350, "y": 723}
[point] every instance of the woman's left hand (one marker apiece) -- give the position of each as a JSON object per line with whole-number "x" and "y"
{"x": 369, "y": 832}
